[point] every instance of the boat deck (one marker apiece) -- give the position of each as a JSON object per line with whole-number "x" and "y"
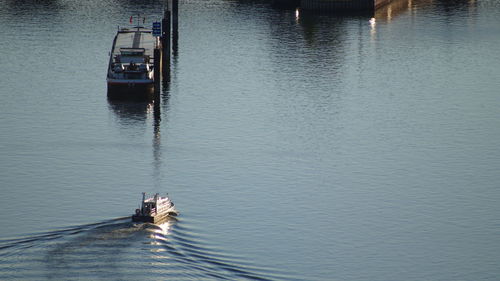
{"x": 133, "y": 39}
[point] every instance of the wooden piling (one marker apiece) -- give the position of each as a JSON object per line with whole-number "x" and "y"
{"x": 157, "y": 71}
{"x": 165, "y": 38}
{"x": 175, "y": 26}
{"x": 175, "y": 14}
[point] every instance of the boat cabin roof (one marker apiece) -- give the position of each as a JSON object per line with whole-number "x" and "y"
{"x": 134, "y": 43}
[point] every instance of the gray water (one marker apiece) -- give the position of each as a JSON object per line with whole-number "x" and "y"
{"x": 296, "y": 146}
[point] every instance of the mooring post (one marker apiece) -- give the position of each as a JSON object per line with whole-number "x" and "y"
{"x": 175, "y": 26}
{"x": 157, "y": 72}
{"x": 165, "y": 38}
{"x": 175, "y": 14}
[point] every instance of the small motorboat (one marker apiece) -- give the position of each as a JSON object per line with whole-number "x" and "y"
{"x": 155, "y": 209}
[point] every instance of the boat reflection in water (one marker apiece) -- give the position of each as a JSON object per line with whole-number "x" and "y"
{"x": 160, "y": 231}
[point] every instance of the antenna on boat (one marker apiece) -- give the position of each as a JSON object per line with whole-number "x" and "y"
{"x": 138, "y": 25}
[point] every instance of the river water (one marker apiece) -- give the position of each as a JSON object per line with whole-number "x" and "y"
{"x": 296, "y": 146}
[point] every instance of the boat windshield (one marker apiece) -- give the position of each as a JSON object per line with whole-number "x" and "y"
{"x": 132, "y": 52}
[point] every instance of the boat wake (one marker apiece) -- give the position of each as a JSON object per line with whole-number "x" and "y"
{"x": 118, "y": 249}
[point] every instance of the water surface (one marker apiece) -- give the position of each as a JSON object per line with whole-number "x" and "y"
{"x": 296, "y": 146}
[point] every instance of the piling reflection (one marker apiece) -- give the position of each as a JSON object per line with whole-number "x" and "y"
{"x": 393, "y": 10}
{"x": 396, "y": 8}
{"x": 161, "y": 102}
{"x": 135, "y": 115}
{"x": 157, "y": 143}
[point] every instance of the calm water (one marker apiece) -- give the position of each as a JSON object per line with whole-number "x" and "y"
{"x": 296, "y": 146}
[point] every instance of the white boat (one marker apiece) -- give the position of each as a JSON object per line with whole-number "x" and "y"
{"x": 155, "y": 209}
{"x": 131, "y": 63}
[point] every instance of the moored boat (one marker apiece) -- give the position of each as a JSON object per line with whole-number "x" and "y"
{"x": 155, "y": 209}
{"x": 131, "y": 63}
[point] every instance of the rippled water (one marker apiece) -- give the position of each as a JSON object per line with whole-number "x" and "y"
{"x": 296, "y": 146}
{"x": 120, "y": 250}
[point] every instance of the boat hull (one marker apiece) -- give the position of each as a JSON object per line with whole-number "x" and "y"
{"x": 140, "y": 91}
{"x": 157, "y": 219}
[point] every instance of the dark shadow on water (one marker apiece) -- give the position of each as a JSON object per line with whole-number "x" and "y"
{"x": 327, "y": 29}
{"x": 285, "y": 4}
{"x": 345, "y": 14}
{"x": 451, "y": 7}
{"x": 127, "y": 110}
{"x": 32, "y": 5}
